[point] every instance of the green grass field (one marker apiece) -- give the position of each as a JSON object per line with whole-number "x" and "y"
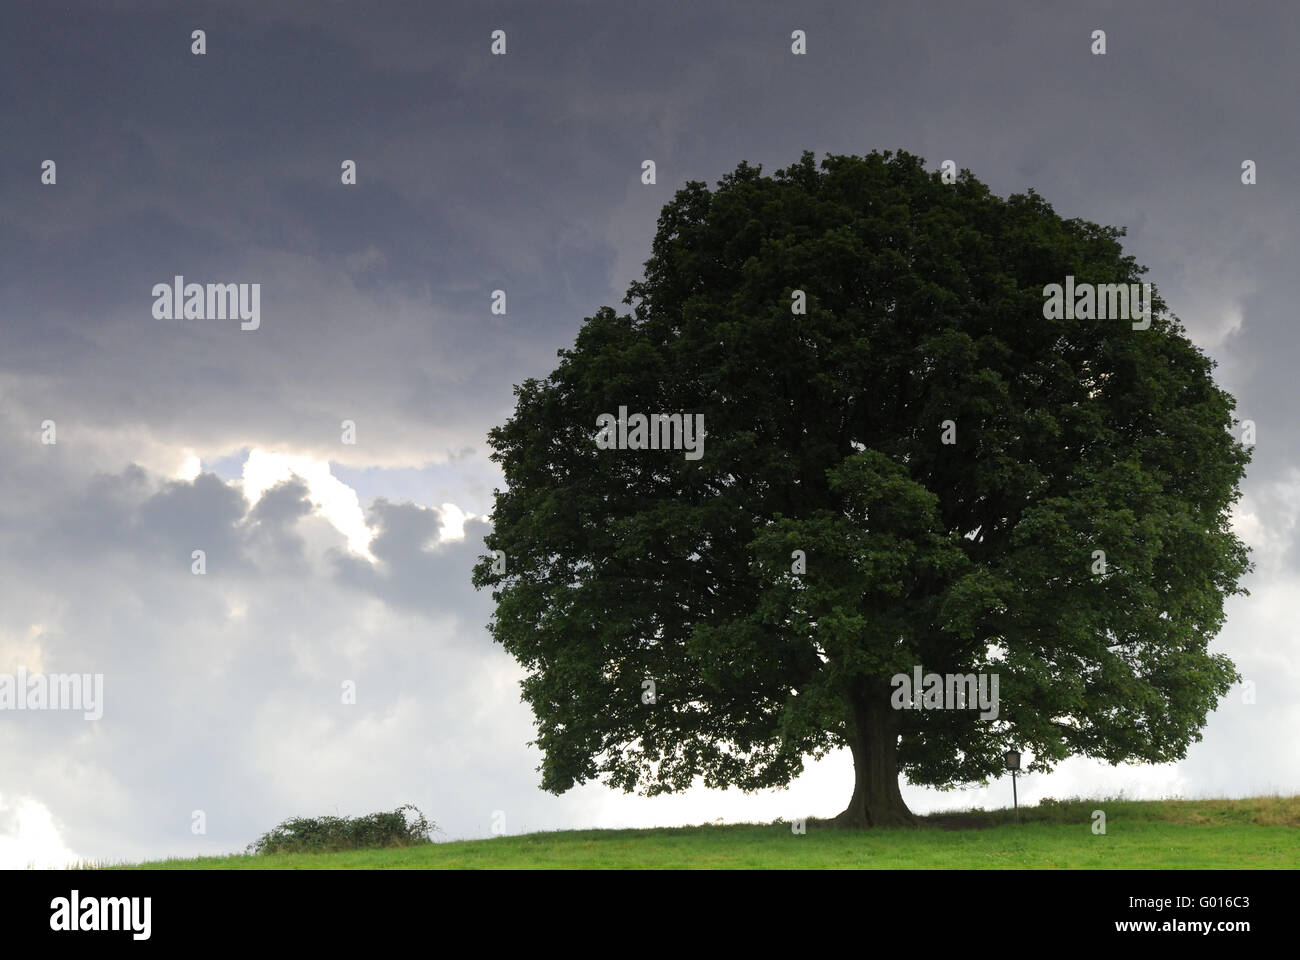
{"x": 1255, "y": 833}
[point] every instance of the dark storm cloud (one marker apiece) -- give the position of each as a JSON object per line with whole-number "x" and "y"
{"x": 520, "y": 173}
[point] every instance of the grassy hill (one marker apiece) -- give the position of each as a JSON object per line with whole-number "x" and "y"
{"x": 1254, "y": 833}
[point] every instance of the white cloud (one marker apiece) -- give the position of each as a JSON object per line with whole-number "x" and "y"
{"x": 190, "y": 468}
{"x": 453, "y": 522}
{"x": 333, "y": 499}
{"x": 29, "y": 837}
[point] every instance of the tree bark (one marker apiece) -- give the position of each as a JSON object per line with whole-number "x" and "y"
{"x": 873, "y": 738}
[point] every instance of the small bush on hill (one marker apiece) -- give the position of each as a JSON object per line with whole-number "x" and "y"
{"x": 330, "y": 834}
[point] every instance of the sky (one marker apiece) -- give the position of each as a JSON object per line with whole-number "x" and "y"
{"x": 336, "y": 570}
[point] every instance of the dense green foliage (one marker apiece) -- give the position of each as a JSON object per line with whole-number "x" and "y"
{"x": 924, "y": 305}
{"x": 326, "y": 834}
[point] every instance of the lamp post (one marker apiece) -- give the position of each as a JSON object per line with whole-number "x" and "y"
{"x": 1012, "y": 760}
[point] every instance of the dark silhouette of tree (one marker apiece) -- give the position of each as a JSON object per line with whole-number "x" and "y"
{"x": 825, "y": 434}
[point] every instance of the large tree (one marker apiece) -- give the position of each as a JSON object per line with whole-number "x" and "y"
{"x": 948, "y": 461}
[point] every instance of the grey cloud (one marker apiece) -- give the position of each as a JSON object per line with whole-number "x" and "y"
{"x": 415, "y": 572}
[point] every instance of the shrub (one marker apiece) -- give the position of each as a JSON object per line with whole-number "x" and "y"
{"x": 329, "y": 834}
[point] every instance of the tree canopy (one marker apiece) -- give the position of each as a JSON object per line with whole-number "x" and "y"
{"x": 919, "y": 470}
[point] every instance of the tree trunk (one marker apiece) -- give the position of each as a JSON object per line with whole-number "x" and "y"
{"x": 873, "y": 739}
